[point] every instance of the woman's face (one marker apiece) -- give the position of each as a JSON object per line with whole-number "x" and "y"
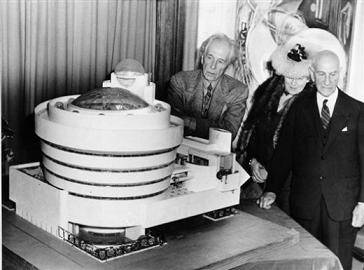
{"x": 295, "y": 85}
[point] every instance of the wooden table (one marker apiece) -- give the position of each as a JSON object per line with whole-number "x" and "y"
{"x": 250, "y": 240}
{"x": 308, "y": 253}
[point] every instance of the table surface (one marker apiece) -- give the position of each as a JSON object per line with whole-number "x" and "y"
{"x": 190, "y": 244}
{"x": 308, "y": 253}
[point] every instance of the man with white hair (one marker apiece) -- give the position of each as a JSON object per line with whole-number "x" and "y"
{"x": 322, "y": 144}
{"x": 208, "y": 97}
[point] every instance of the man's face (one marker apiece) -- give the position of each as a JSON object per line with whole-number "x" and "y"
{"x": 294, "y": 85}
{"x": 215, "y": 60}
{"x": 326, "y": 74}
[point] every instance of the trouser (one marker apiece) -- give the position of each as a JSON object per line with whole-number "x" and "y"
{"x": 338, "y": 236}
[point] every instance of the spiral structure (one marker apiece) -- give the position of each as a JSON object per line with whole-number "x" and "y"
{"x": 108, "y": 144}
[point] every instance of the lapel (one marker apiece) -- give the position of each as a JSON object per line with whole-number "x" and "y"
{"x": 218, "y": 97}
{"x": 311, "y": 112}
{"x": 339, "y": 118}
{"x": 197, "y": 96}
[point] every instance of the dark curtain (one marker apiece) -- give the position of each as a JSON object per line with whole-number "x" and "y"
{"x": 54, "y": 48}
{"x": 170, "y": 35}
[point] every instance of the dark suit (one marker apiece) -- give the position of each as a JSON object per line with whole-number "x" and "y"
{"x": 227, "y": 108}
{"x": 327, "y": 168}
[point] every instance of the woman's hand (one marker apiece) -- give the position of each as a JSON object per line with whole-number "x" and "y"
{"x": 266, "y": 200}
{"x": 259, "y": 173}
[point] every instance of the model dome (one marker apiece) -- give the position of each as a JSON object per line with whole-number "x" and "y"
{"x": 110, "y": 99}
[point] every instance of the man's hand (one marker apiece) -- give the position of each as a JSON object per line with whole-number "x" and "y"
{"x": 266, "y": 200}
{"x": 259, "y": 173}
{"x": 189, "y": 123}
{"x": 358, "y": 215}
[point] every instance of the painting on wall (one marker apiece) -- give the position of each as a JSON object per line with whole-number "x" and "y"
{"x": 263, "y": 25}
{"x": 335, "y": 16}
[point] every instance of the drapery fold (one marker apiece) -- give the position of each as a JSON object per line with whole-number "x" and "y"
{"x": 52, "y": 48}
{"x": 190, "y": 39}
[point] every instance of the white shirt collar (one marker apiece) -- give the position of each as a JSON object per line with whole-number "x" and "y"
{"x": 331, "y": 100}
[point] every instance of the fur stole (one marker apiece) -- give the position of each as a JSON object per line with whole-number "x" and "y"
{"x": 265, "y": 103}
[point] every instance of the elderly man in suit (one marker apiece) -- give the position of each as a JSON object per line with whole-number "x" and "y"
{"x": 208, "y": 97}
{"x": 322, "y": 143}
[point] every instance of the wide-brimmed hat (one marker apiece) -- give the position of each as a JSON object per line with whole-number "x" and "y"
{"x": 292, "y": 59}
{"x": 287, "y": 60}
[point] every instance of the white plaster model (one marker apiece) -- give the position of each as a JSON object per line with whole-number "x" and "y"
{"x": 116, "y": 170}
{"x": 136, "y": 82}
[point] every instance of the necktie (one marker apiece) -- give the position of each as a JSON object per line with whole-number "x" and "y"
{"x": 325, "y": 115}
{"x": 206, "y": 102}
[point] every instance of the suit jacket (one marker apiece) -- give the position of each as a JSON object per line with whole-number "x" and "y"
{"x": 331, "y": 167}
{"x": 228, "y": 103}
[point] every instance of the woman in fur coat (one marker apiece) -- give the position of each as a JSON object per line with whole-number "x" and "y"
{"x": 271, "y": 103}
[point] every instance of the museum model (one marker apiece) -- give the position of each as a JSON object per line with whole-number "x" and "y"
{"x": 115, "y": 163}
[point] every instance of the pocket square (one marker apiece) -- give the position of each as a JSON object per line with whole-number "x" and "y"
{"x": 345, "y": 129}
